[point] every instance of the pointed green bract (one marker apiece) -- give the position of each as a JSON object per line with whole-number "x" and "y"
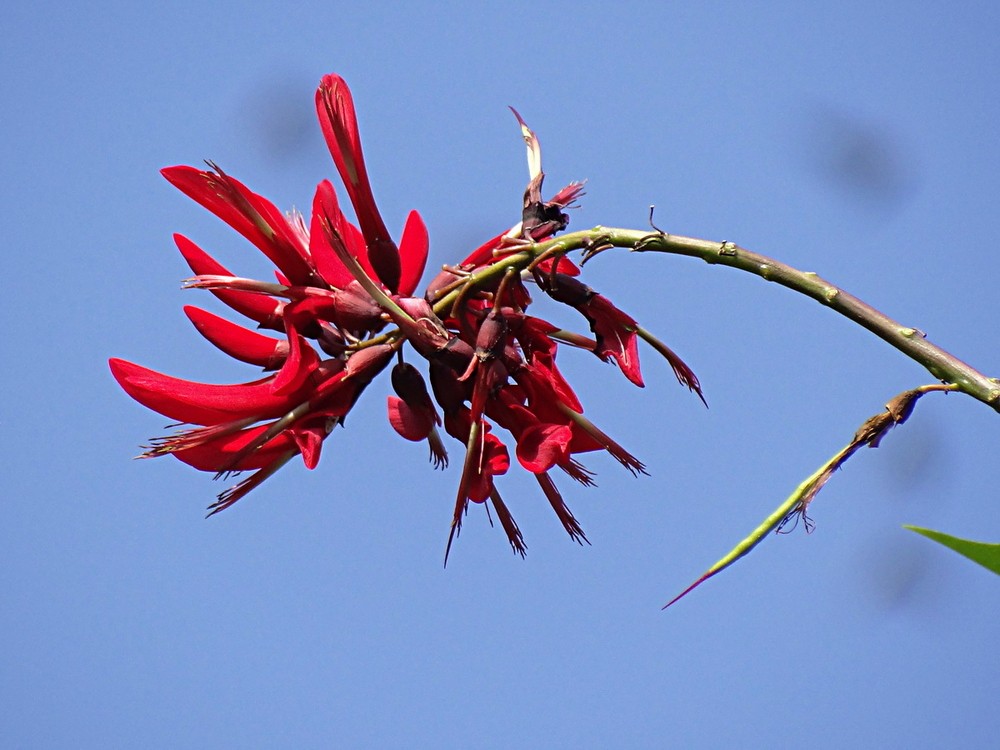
{"x": 987, "y": 555}
{"x": 795, "y": 502}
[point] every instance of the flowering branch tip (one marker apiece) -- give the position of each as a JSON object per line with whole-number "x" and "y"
{"x": 344, "y": 307}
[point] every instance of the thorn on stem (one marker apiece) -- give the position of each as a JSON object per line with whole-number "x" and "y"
{"x": 652, "y": 208}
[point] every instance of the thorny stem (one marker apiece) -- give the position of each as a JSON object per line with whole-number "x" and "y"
{"x": 910, "y": 341}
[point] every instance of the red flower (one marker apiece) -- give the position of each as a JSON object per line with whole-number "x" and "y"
{"x": 412, "y": 413}
{"x": 615, "y": 331}
{"x": 398, "y": 269}
{"x": 318, "y": 298}
{"x": 338, "y": 287}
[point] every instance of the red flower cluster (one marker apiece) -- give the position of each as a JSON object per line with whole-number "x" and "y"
{"x": 338, "y": 288}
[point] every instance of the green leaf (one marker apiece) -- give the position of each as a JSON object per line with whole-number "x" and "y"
{"x": 987, "y": 555}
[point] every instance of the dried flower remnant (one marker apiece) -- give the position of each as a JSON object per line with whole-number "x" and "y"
{"x": 343, "y": 309}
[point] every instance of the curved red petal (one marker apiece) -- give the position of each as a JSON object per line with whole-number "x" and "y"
{"x": 261, "y": 308}
{"x": 214, "y": 454}
{"x": 309, "y": 438}
{"x": 616, "y": 336}
{"x": 542, "y": 446}
{"x": 302, "y": 361}
{"x": 339, "y": 122}
{"x": 410, "y": 423}
{"x": 566, "y": 266}
{"x": 198, "y": 403}
{"x": 236, "y": 341}
{"x": 252, "y": 215}
{"x": 328, "y": 264}
{"x": 494, "y": 461}
{"x": 483, "y": 255}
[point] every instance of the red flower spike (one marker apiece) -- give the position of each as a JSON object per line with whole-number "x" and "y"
{"x": 337, "y": 286}
{"x": 238, "y": 342}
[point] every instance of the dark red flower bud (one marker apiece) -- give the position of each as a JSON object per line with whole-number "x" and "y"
{"x": 449, "y": 391}
{"x": 565, "y": 289}
{"x": 492, "y": 336}
{"x": 410, "y": 386}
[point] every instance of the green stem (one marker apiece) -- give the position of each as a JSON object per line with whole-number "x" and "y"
{"x": 910, "y": 341}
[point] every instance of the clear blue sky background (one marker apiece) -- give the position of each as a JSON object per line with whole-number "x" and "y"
{"x": 857, "y": 140}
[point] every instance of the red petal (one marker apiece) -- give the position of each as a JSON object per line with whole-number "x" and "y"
{"x": 198, "y": 403}
{"x": 616, "y": 336}
{"x": 301, "y": 363}
{"x": 309, "y": 439}
{"x": 410, "y": 423}
{"x": 328, "y": 264}
{"x": 494, "y": 461}
{"x": 546, "y": 387}
{"x": 261, "y": 308}
{"x": 238, "y": 342}
{"x": 413, "y": 247}
{"x": 483, "y": 255}
{"x": 542, "y": 446}
{"x": 250, "y": 214}
{"x": 214, "y": 454}
{"x": 566, "y": 266}
{"x": 533, "y": 335}
{"x": 339, "y": 122}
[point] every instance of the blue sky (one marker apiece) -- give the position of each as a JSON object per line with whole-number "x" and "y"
{"x": 855, "y": 140}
